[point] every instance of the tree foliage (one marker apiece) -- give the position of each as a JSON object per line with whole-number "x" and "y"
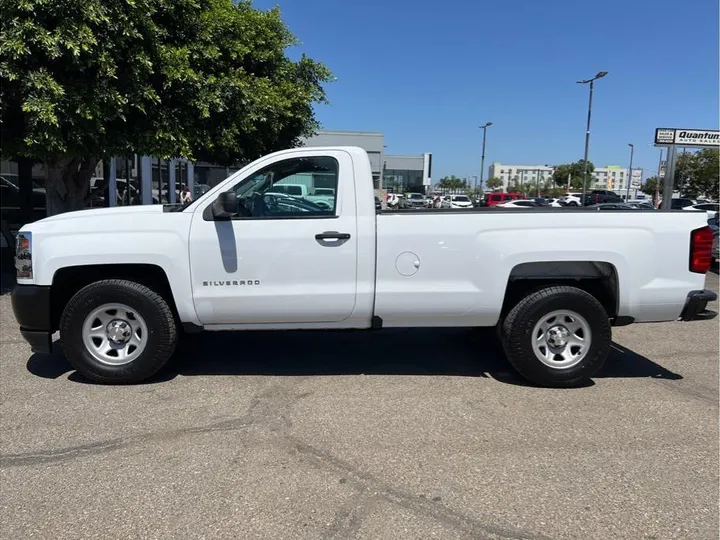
{"x": 202, "y": 80}
{"x": 494, "y": 183}
{"x": 575, "y": 172}
{"x": 651, "y": 184}
{"x": 696, "y": 174}
{"x": 452, "y": 182}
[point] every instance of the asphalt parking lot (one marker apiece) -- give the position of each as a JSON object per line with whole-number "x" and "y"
{"x": 396, "y": 434}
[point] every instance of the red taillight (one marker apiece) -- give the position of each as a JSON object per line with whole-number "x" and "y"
{"x": 701, "y": 241}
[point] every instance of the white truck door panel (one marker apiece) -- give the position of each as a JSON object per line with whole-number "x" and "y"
{"x": 292, "y": 259}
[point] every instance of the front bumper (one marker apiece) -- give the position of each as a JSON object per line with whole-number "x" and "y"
{"x": 31, "y": 306}
{"x": 696, "y": 306}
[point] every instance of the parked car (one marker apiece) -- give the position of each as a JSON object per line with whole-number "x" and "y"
{"x": 415, "y": 200}
{"x": 713, "y": 224}
{"x": 392, "y": 200}
{"x": 120, "y": 285}
{"x": 641, "y": 204}
{"x": 710, "y": 208}
{"x": 599, "y": 196}
{"x": 496, "y": 197}
{"x": 520, "y": 203}
{"x": 456, "y": 201}
{"x": 378, "y": 203}
{"x": 611, "y": 206}
{"x": 680, "y": 203}
{"x": 556, "y": 202}
{"x": 571, "y": 199}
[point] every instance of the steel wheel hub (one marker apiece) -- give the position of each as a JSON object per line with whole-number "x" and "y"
{"x": 118, "y": 331}
{"x": 561, "y": 339}
{"x": 115, "y": 334}
{"x": 557, "y": 336}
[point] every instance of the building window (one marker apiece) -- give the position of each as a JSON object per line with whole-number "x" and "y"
{"x": 402, "y": 179}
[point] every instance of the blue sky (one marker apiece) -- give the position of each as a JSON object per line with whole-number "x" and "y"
{"x": 426, "y": 73}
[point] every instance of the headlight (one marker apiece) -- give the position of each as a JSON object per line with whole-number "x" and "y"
{"x": 23, "y": 255}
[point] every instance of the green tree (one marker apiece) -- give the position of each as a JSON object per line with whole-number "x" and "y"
{"x": 494, "y": 183}
{"x": 701, "y": 178}
{"x": 650, "y": 185}
{"x": 452, "y": 182}
{"x": 575, "y": 172}
{"x": 202, "y": 80}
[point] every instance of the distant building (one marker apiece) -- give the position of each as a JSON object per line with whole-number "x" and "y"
{"x": 392, "y": 173}
{"x": 524, "y": 174}
{"x": 612, "y": 177}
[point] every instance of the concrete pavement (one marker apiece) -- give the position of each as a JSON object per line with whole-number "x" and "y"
{"x": 398, "y": 434}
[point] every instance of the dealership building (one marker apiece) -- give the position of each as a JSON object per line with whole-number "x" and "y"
{"x": 390, "y": 173}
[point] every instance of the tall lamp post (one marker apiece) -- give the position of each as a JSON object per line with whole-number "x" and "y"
{"x": 482, "y": 159}
{"x": 629, "y": 178}
{"x": 600, "y": 75}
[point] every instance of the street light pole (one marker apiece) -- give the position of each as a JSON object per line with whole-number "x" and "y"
{"x": 482, "y": 159}
{"x": 600, "y": 75}
{"x": 629, "y": 178}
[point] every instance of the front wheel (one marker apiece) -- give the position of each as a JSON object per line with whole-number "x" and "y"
{"x": 572, "y": 203}
{"x": 117, "y": 331}
{"x": 557, "y": 337}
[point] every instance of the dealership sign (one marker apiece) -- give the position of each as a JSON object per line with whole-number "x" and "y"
{"x": 687, "y": 137}
{"x": 636, "y": 178}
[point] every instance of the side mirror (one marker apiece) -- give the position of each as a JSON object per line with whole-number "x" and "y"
{"x": 225, "y": 206}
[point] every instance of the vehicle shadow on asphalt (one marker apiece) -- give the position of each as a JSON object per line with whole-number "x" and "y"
{"x": 458, "y": 352}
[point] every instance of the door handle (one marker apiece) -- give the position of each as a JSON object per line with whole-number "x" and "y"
{"x": 329, "y": 235}
{"x": 335, "y": 238}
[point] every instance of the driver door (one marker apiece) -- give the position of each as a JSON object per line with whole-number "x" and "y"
{"x": 282, "y": 258}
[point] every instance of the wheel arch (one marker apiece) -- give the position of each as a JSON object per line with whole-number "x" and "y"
{"x": 598, "y": 278}
{"x": 69, "y": 280}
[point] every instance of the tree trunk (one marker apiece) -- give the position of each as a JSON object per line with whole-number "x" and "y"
{"x": 67, "y": 183}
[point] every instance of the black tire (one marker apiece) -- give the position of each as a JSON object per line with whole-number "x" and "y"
{"x": 517, "y": 334}
{"x": 161, "y": 336}
{"x": 572, "y": 203}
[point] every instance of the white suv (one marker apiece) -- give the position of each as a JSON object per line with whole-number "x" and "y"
{"x": 572, "y": 199}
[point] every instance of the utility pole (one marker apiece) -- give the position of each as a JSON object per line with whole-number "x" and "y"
{"x": 482, "y": 159}
{"x": 600, "y": 75}
{"x": 658, "y": 178}
{"x": 629, "y": 178}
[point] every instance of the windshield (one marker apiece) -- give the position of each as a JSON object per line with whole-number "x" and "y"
{"x": 415, "y": 196}
{"x": 461, "y": 198}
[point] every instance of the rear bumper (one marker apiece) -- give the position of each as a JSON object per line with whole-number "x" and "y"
{"x": 696, "y": 306}
{"x": 31, "y": 306}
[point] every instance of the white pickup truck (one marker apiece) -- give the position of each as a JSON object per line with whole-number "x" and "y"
{"x": 122, "y": 284}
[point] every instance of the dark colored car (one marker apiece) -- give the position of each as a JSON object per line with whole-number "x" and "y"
{"x": 678, "y": 204}
{"x": 610, "y": 206}
{"x": 378, "y": 203}
{"x": 600, "y": 196}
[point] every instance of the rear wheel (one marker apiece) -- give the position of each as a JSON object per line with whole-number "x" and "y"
{"x": 117, "y": 331}
{"x": 558, "y": 336}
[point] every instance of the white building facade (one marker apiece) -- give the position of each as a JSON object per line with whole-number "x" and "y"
{"x": 612, "y": 177}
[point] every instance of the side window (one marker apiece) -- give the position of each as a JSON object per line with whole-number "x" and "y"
{"x": 296, "y": 187}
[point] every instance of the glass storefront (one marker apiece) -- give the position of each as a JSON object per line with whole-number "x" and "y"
{"x": 403, "y": 180}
